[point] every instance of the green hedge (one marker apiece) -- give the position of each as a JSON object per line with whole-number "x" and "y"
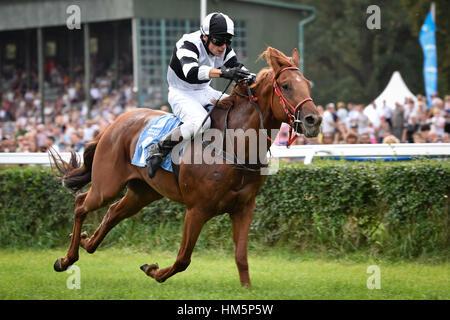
{"x": 389, "y": 209}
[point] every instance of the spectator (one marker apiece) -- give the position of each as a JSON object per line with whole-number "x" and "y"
{"x": 364, "y": 138}
{"x": 390, "y": 139}
{"x": 341, "y": 113}
{"x": 397, "y": 120}
{"x": 447, "y": 122}
{"x": 328, "y": 138}
{"x": 328, "y": 120}
{"x": 301, "y": 140}
{"x": 68, "y": 124}
{"x": 41, "y": 135}
{"x": 89, "y": 129}
{"x": 433, "y": 137}
{"x": 50, "y": 143}
{"x": 320, "y": 110}
{"x": 95, "y": 93}
{"x": 371, "y": 131}
{"x": 351, "y": 138}
{"x": 282, "y": 137}
{"x": 352, "y": 116}
{"x": 447, "y": 104}
{"x": 438, "y": 121}
{"x": 410, "y": 110}
{"x": 435, "y": 99}
{"x": 384, "y": 129}
{"x": 411, "y": 128}
{"x": 76, "y": 142}
{"x": 385, "y": 111}
{"x": 424, "y": 130}
{"x": 372, "y": 113}
{"x": 341, "y": 133}
{"x": 418, "y": 138}
{"x": 362, "y": 120}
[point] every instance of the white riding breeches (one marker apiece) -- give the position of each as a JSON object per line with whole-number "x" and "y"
{"x": 188, "y": 106}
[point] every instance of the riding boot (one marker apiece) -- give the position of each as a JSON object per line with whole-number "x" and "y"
{"x": 158, "y": 152}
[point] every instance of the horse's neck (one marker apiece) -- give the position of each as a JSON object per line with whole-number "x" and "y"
{"x": 243, "y": 115}
{"x": 249, "y": 118}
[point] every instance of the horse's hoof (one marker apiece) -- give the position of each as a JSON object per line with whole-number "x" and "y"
{"x": 149, "y": 268}
{"x": 144, "y": 267}
{"x": 58, "y": 265}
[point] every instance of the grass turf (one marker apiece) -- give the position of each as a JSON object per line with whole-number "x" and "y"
{"x": 276, "y": 274}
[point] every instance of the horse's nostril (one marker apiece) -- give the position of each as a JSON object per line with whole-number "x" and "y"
{"x": 310, "y": 120}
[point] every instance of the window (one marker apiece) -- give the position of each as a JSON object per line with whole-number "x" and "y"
{"x": 93, "y": 46}
{"x": 50, "y": 49}
{"x": 10, "y": 51}
{"x": 157, "y": 40}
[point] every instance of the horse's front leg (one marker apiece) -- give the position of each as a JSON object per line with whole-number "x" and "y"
{"x": 193, "y": 223}
{"x": 241, "y": 220}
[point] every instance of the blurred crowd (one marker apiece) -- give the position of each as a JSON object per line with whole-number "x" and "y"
{"x": 409, "y": 121}
{"x": 68, "y": 127}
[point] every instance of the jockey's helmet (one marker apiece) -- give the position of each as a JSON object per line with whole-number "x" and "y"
{"x": 217, "y": 25}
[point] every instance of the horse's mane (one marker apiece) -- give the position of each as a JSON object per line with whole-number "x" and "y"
{"x": 262, "y": 76}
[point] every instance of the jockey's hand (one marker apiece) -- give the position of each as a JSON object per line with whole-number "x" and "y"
{"x": 235, "y": 74}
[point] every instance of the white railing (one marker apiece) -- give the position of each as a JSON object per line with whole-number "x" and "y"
{"x": 307, "y": 152}
{"x": 361, "y": 150}
{"x": 41, "y": 158}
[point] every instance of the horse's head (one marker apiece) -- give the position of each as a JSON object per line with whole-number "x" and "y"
{"x": 291, "y": 101}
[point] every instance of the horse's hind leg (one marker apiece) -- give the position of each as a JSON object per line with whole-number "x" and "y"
{"x": 138, "y": 195}
{"x": 84, "y": 203}
{"x": 97, "y": 196}
{"x": 241, "y": 220}
{"x": 193, "y": 224}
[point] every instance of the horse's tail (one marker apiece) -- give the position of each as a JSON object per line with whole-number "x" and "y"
{"x": 73, "y": 176}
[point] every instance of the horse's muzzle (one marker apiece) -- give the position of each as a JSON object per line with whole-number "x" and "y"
{"x": 311, "y": 125}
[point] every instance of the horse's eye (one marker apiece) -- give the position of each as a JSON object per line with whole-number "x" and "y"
{"x": 285, "y": 86}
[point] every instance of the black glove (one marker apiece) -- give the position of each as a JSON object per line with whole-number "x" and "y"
{"x": 235, "y": 74}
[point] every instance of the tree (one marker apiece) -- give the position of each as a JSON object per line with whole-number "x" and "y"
{"x": 417, "y": 12}
{"x": 349, "y": 62}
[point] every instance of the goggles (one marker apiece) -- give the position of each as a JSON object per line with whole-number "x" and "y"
{"x": 220, "y": 41}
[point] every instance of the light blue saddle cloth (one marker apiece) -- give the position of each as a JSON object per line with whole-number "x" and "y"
{"x": 154, "y": 131}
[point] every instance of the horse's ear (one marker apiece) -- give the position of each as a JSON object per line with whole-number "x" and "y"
{"x": 295, "y": 57}
{"x": 273, "y": 58}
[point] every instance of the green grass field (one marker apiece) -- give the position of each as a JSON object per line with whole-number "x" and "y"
{"x": 276, "y": 274}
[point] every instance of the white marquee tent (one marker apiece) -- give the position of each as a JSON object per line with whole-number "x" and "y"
{"x": 395, "y": 91}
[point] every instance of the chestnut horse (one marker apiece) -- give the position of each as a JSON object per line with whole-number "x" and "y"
{"x": 206, "y": 190}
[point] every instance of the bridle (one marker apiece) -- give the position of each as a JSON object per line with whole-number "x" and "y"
{"x": 293, "y": 113}
{"x": 290, "y": 110}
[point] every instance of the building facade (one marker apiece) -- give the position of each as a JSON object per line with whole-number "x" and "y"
{"x": 135, "y": 36}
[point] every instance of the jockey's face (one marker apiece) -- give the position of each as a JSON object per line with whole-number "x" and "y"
{"x": 215, "y": 50}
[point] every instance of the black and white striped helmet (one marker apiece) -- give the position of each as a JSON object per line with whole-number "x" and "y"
{"x": 217, "y": 23}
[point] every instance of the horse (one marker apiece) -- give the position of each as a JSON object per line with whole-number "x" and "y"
{"x": 279, "y": 94}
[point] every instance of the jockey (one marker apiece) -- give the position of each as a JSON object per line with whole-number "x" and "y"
{"x": 197, "y": 58}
